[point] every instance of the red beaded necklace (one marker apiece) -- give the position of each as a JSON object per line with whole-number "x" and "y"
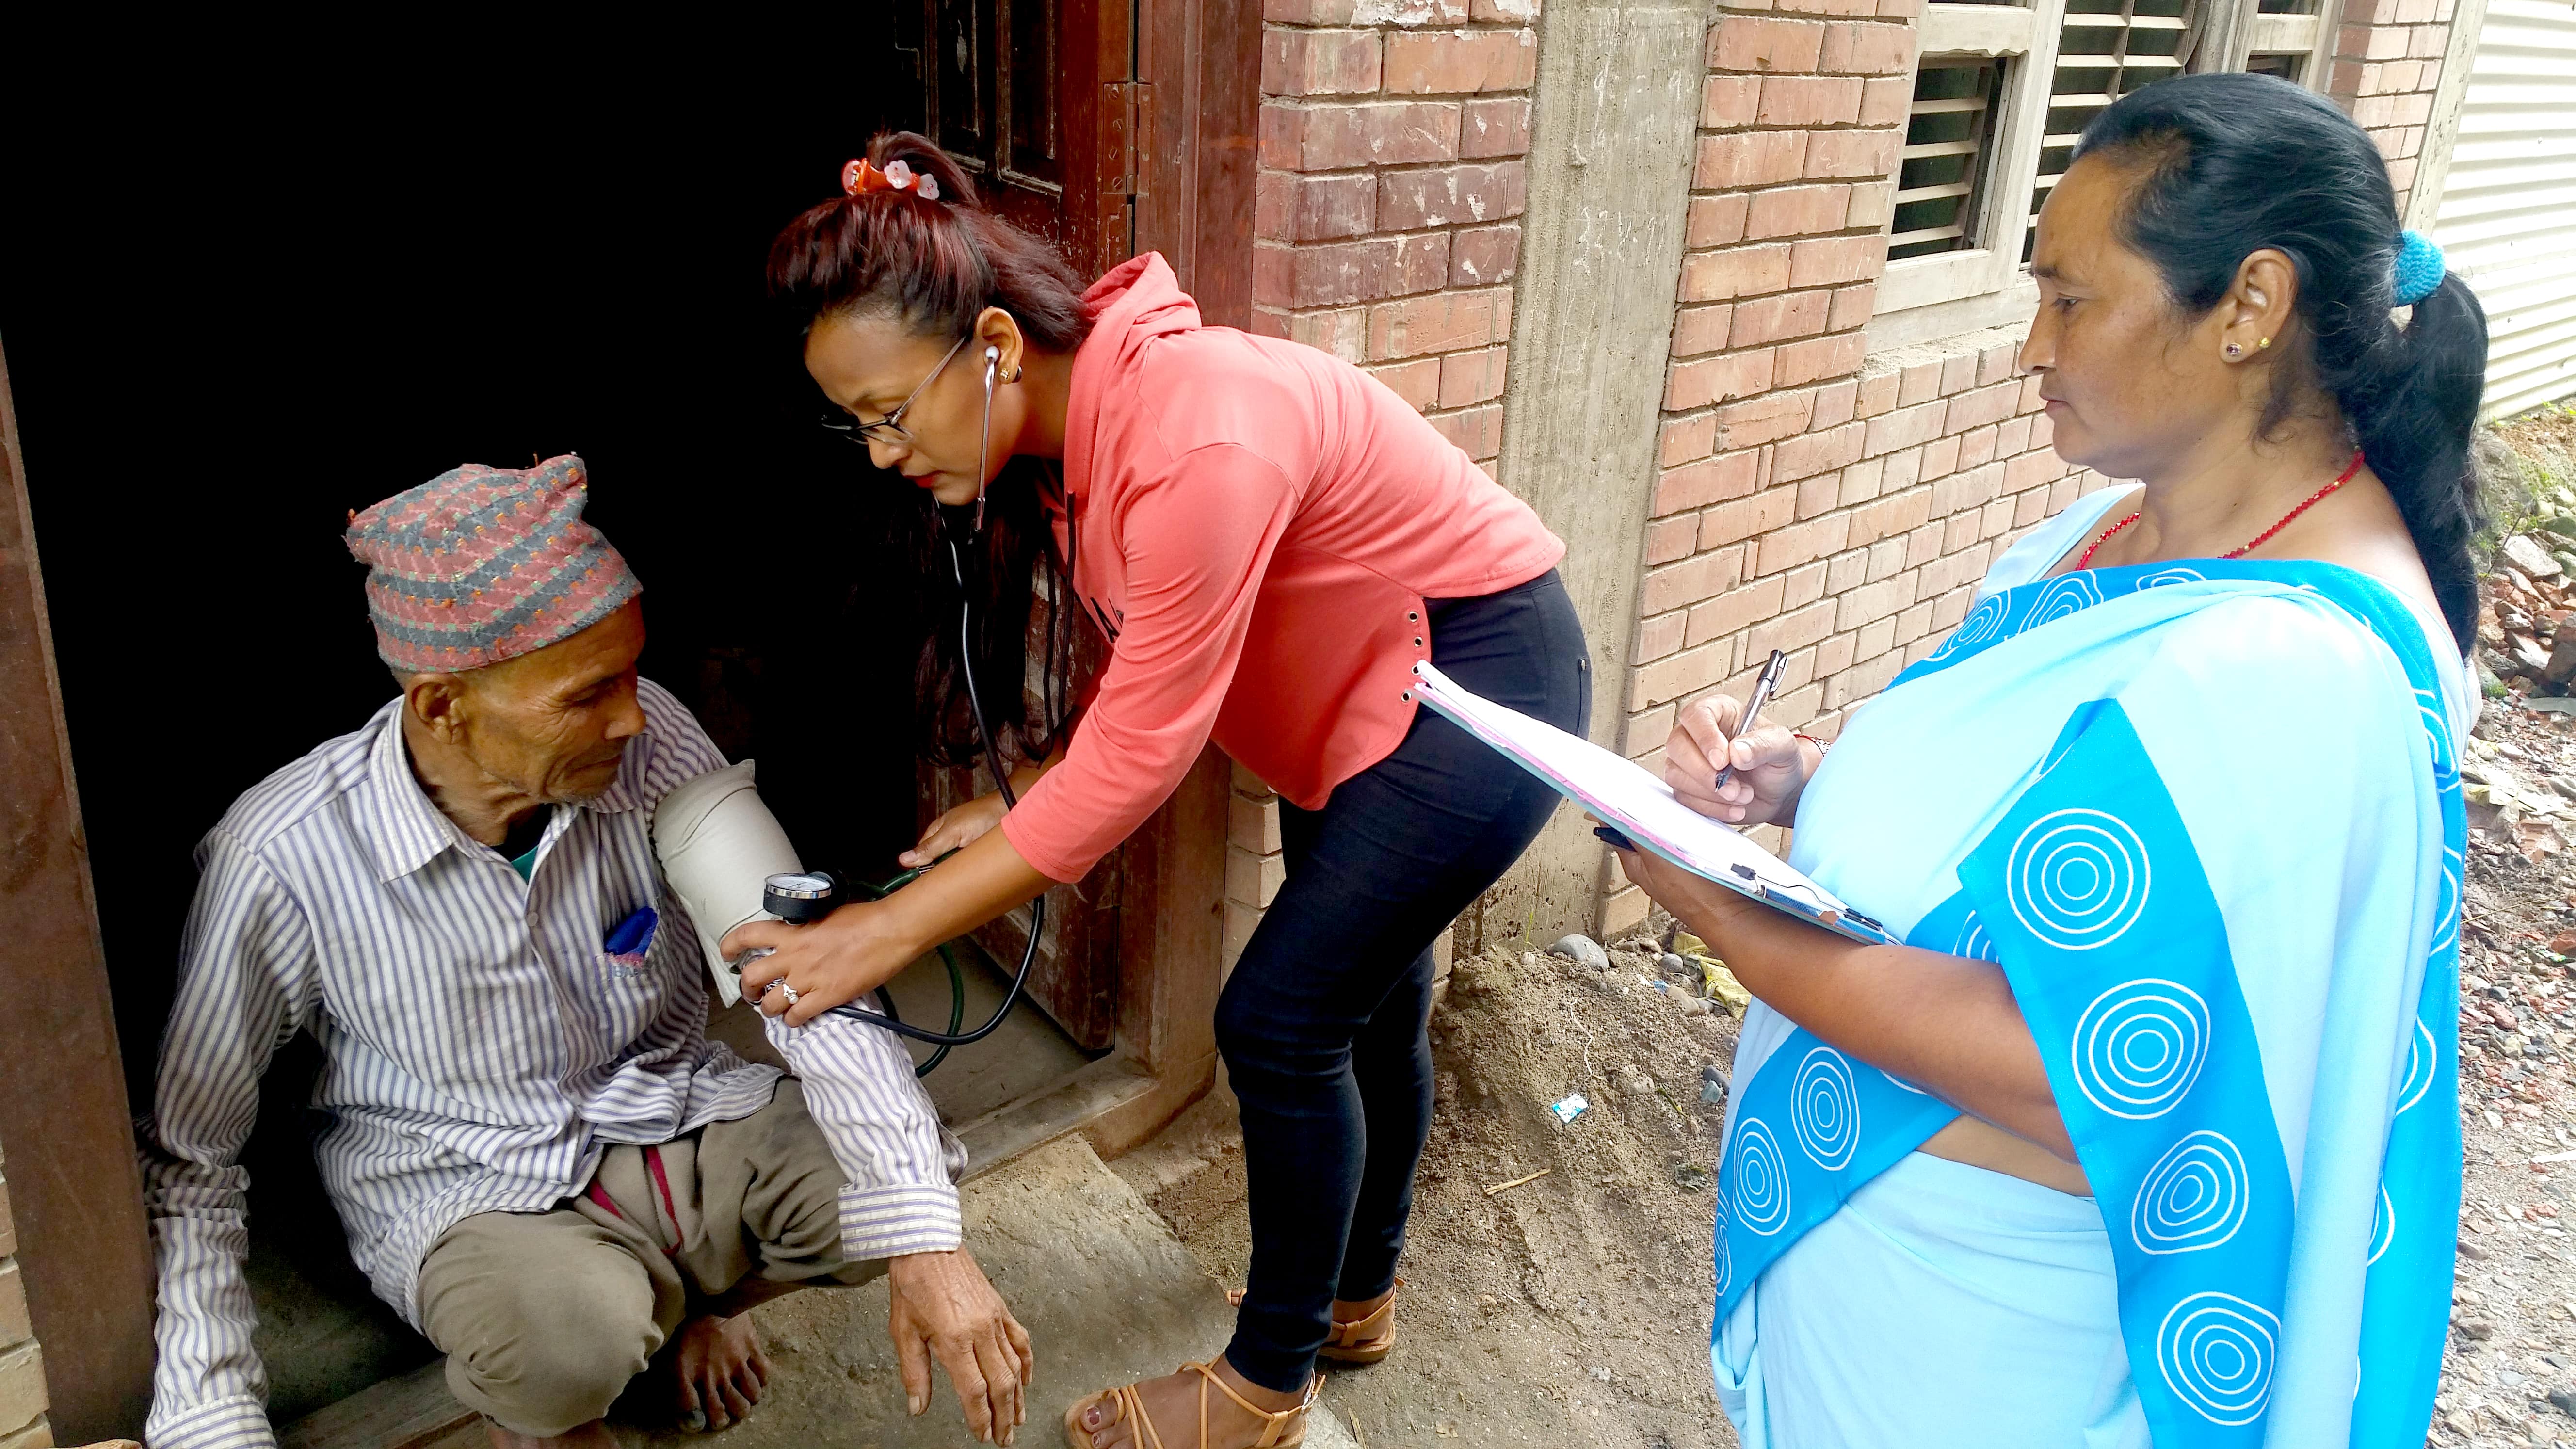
{"x": 2259, "y": 539}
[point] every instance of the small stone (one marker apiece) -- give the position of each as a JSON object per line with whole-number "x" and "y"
{"x": 1672, "y": 965}
{"x": 2530, "y": 557}
{"x": 1582, "y": 950}
{"x": 2477, "y": 1330}
{"x": 2472, "y": 1251}
{"x": 1600, "y": 1375}
{"x": 2564, "y": 1402}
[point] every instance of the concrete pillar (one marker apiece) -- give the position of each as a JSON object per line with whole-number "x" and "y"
{"x": 1601, "y": 253}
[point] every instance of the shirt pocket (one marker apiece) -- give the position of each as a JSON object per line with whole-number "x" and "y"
{"x": 628, "y": 948}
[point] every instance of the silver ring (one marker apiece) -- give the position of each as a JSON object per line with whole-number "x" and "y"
{"x": 790, "y": 991}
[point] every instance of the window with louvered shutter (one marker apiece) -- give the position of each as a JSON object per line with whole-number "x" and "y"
{"x": 2106, "y": 49}
{"x": 1949, "y": 136}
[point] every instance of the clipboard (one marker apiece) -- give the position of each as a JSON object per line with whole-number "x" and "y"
{"x": 1642, "y": 808}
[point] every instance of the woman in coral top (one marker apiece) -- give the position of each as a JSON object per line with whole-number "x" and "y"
{"x": 1269, "y": 540}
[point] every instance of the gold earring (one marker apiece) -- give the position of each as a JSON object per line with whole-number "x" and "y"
{"x": 2262, "y": 342}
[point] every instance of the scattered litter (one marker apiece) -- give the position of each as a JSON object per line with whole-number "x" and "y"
{"x": 1533, "y": 1177}
{"x": 1582, "y": 950}
{"x": 1718, "y": 982}
{"x": 1691, "y": 1177}
{"x": 1712, "y": 1085}
{"x": 1572, "y": 1107}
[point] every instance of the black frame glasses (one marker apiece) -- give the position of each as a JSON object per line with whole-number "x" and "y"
{"x": 890, "y": 428}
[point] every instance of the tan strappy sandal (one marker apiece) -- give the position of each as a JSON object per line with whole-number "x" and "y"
{"x": 1360, "y": 1340}
{"x": 1285, "y": 1429}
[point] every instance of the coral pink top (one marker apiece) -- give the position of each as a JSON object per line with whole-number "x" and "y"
{"x": 1259, "y": 524}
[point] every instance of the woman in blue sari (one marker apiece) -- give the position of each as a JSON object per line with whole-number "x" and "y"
{"x": 2147, "y": 1132}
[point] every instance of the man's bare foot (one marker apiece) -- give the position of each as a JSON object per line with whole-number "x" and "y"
{"x": 721, "y": 1369}
{"x": 593, "y": 1435}
{"x": 1172, "y": 1402}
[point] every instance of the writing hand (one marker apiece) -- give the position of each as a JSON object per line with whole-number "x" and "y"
{"x": 1771, "y": 764}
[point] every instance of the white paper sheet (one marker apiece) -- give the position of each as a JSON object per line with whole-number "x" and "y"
{"x": 1641, "y": 807}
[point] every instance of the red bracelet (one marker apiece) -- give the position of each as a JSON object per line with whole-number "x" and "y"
{"x": 1821, "y": 745}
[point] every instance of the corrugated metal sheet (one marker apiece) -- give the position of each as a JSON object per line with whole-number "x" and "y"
{"x": 2508, "y": 215}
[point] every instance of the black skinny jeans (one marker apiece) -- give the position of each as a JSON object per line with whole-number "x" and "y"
{"x": 1324, "y": 1025}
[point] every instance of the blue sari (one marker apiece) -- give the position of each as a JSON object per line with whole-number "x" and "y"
{"x": 2206, "y": 816}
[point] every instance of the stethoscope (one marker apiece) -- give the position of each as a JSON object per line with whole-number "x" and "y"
{"x": 802, "y": 898}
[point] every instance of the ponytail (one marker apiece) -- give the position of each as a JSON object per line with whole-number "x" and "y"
{"x": 932, "y": 259}
{"x": 2237, "y": 163}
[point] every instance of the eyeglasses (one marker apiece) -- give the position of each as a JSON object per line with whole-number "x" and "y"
{"x": 890, "y": 428}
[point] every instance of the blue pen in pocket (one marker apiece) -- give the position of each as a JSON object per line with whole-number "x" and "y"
{"x": 626, "y": 946}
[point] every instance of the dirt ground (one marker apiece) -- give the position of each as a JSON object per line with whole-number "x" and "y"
{"x": 1571, "y": 1310}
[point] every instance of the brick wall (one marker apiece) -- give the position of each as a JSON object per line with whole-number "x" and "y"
{"x": 1386, "y": 232}
{"x": 2387, "y": 61}
{"x": 22, "y": 1363}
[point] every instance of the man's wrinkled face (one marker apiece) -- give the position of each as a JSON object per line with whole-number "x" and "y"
{"x": 553, "y": 724}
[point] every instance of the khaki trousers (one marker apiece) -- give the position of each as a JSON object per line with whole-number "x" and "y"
{"x": 545, "y": 1317}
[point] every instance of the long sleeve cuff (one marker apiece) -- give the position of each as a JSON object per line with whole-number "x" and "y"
{"x": 886, "y": 1222}
{"x": 235, "y": 1421}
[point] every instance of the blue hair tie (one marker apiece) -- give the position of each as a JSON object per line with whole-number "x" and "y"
{"x": 2419, "y": 268}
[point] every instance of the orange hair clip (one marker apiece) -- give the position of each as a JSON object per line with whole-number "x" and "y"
{"x": 859, "y": 178}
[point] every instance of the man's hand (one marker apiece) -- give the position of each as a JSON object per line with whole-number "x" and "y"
{"x": 942, "y": 1306}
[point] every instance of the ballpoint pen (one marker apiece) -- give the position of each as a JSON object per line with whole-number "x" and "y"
{"x": 1762, "y": 688}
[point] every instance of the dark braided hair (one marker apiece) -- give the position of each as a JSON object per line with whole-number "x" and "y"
{"x": 2235, "y": 163}
{"x": 934, "y": 266}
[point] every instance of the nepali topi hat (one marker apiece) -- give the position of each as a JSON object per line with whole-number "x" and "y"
{"x": 479, "y": 565}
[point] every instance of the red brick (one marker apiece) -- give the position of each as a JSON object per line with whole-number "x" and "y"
{"x": 1743, "y": 518}
{"x": 1837, "y": 402}
{"x": 1983, "y": 405}
{"x": 1738, "y": 272}
{"x": 1340, "y": 273}
{"x": 1829, "y": 260}
{"x": 1750, "y": 158}
{"x": 1873, "y": 203}
{"x": 1813, "y": 453}
{"x": 1886, "y": 100}
{"x": 1334, "y": 136}
{"x": 1736, "y": 609}
{"x": 1999, "y": 363}
{"x": 1471, "y": 377}
{"x": 1964, "y": 493}
{"x": 1894, "y": 513}
{"x": 1681, "y": 674}
{"x": 1940, "y": 458}
{"x": 1343, "y": 333}
{"x": 1273, "y": 193}
{"x": 2021, "y": 434}
{"x": 1485, "y": 256}
{"x": 1479, "y": 431}
{"x": 1698, "y": 330}
{"x": 1765, "y": 419}
{"x": 1729, "y": 100}
{"x": 1690, "y": 581}
{"x": 1715, "y": 221}
{"x": 1439, "y": 63}
{"x": 1707, "y": 481}
{"x": 1443, "y": 322}
{"x": 2031, "y": 470}
{"x": 1807, "y": 100}
{"x": 1495, "y": 128}
{"x": 1697, "y": 384}
{"x": 1905, "y": 428}
{"x": 1853, "y": 307}
{"x": 1660, "y": 635}
{"x": 1745, "y": 42}
{"x": 1778, "y": 317}
{"x": 1308, "y": 12}
{"x": 1320, "y": 208}
{"x": 1872, "y": 602}
{"x": 1862, "y": 48}
{"x": 1791, "y": 631}
{"x": 1668, "y": 539}
{"x": 1797, "y": 211}
{"x": 1681, "y": 440}
{"x": 1976, "y": 447}
{"x": 1418, "y": 382}
{"x": 1819, "y": 494}
{"x": 1846, "y": 571}
{"x": 1452, "y": 195}
{"x": 1958, "y": 373}
{"x": 1268, "y": 322}
{"x": 1819, "y": 357}
{"x": 1861, "y": 482}
{"x": 1319, "y": 62}
{"x": 1853, "y": 154}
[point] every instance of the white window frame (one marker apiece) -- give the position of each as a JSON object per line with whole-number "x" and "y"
{"x": 1985, "y": 285}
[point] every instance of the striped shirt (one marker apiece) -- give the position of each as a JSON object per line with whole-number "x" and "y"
{"x": 481, "y": 1047}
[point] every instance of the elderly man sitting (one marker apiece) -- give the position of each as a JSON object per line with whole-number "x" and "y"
{"x": 540, "y": 1160}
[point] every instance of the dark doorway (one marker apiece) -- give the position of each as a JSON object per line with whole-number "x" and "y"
{"x": 237, "y": 310}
